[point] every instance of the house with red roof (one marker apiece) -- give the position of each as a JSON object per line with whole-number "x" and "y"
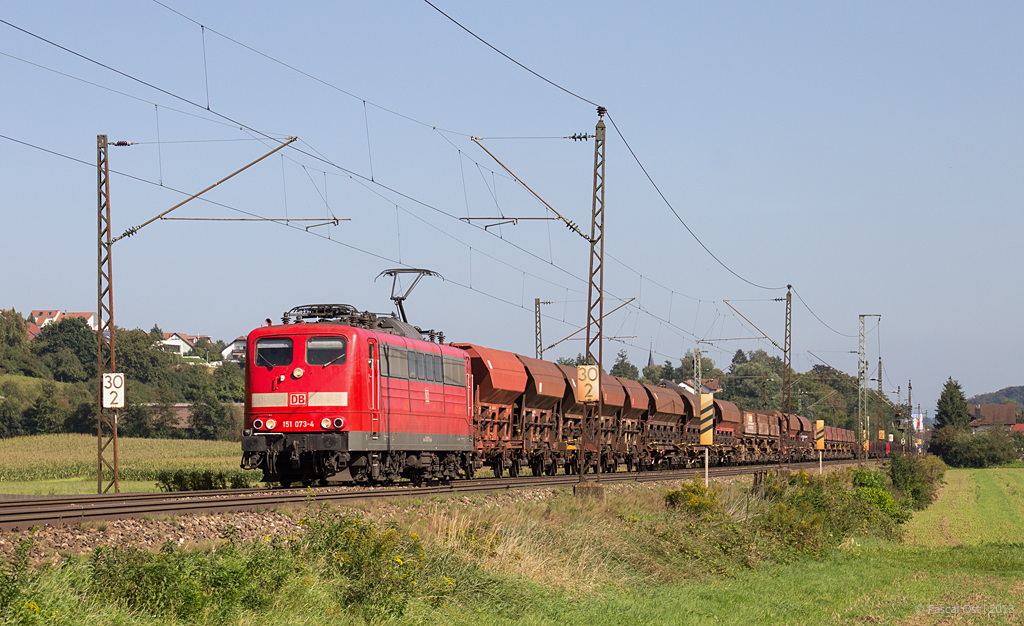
{"x": 43, "y": 317}
{"x": 989, "y": 416}
{"x": 177, "y": 343}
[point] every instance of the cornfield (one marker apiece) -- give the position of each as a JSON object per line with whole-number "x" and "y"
{"x": 45, "y": 457}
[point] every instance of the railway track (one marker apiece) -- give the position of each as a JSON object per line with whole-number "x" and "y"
{"x": 22, "y": 514}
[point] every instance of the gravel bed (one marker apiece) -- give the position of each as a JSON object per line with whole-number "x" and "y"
{"x": 55, "y": 544}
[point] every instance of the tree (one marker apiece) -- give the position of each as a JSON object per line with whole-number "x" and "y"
{"x": 623, "y": 368}
{"x": 15, "y": 356}
{"x": 208, "y": 418}
{"x": 66, "y": 367}
{"x": 135, "y": 421}
{"x": 83, "y": 419}
{"x": 139, "y": 361}
{"x": 737, "y": 359}
{"x": 46, "y": 414}
{"x": 68, "y": 348}
{"x": 229, "y": 382}
{"x": 156, "y": 333}
{"x": 952, "y": 409}
{"x": 10, "y": 418}
{"x": 579, "y": 360}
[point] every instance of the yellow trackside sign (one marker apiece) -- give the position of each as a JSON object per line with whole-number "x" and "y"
{"x": 707, "y": 418}
{"x": 588, "y": 383}
{"x": 881, "y": 435}
{"x": 819, "y": 435}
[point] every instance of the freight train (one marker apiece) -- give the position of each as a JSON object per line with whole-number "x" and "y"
{"x": 335, "y": 395}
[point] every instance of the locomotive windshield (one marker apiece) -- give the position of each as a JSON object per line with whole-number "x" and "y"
{"x": 325, "y": 350}
{"x": 273, "y": 352}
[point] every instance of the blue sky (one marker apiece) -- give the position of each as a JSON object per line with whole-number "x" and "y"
{"x": 869, "y": 154}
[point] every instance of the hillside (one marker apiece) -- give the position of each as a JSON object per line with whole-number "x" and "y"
{"x": 998, "y": 397}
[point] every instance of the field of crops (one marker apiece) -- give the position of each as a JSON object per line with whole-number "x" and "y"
{"x": 45, "y": 457}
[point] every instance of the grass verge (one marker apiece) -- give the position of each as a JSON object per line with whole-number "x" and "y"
{"x": 44, "y": 457}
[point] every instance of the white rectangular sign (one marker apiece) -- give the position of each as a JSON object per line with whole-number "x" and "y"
{"x": 113, "y": 391}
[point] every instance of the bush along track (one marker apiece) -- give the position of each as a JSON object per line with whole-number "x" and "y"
{"x": 480, "y": 559}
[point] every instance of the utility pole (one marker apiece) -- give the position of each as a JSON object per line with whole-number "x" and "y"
{"x": 106, "y": 422}
{"x": 881, "y": 408}
{"x": 538, "y": 343}
{"x": 910, "y": 413}
{"x": 787, "y": 372}
{"x": 862, "y": 389}
{"x": 539, "y": 349}
{"x": 595, "y": 297}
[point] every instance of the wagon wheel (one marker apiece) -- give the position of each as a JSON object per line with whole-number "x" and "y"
{"x": 513, "y": 472}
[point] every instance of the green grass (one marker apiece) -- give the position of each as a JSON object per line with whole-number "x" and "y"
{"x": 45, "y": 457}
{"x": 71, "y": 486}
{"x": 975, "y": 506}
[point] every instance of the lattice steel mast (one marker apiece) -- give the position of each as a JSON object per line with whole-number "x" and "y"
{"x": 595, "y": 297}
{"x": 538, "y": 344}
{"x": 106, "y": 423}
{"x": 787, "y": 372}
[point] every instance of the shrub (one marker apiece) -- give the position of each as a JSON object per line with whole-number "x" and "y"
{"x": 882, "y": 500}
{"x": 378, "y": 566}
{"x": 868, "y": 478}
{"x": 204, "y": 479}
{"x": 962, "y": 448}
{"x": 190, "y": 584}
{"x": 693, "y": 497}
{"x": 15, "y": 577}
{"x": 916, "y": 478}
{"x": 820, "y": 512}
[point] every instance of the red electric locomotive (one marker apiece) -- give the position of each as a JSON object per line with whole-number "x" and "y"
{"x": 333, "y": 394}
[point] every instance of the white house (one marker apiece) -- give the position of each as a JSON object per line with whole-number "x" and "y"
{"x": 43, "y": 317}
{"x": 235, "y": 350}
{"x": 176, "y": 343}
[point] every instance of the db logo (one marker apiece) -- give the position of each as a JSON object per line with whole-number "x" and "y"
{"x": 296, "y": 399}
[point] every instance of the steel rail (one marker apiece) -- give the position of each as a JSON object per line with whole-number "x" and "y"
{"x": 24, "y": 514}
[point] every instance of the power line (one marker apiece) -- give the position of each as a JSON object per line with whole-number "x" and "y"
{"x": 307, "y": 74}
{"x": 821, "y": 320}
{"x": 481, "y": 40}
{"x": 676, "y": 213}
{"x": 120, "y": 93}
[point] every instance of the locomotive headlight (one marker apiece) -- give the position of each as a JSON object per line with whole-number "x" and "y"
{"x": 338, "y": 422}
{"x": 257, "y": 424}
{"x": 297, "y": 373}
{"x": 271, "y": 423}
{"x": 325, "y": 423}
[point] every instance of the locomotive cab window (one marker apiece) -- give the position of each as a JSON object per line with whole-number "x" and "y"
{"x": 325, "y": 351}
{"x": 273, "y": 352}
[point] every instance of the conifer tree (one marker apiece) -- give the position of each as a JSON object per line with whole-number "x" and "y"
{"x": 952, "y": 409}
